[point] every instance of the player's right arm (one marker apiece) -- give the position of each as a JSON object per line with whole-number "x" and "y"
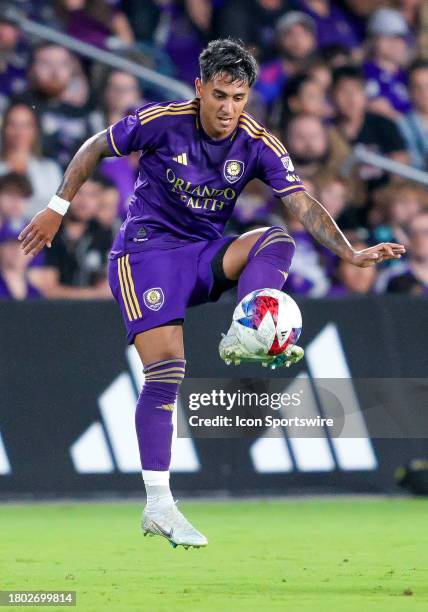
{"x": 45, "y": 224}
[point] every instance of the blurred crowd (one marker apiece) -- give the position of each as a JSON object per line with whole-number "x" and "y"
{"x": 333, "y": 74}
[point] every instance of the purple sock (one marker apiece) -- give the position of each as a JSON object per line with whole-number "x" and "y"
{"x": 268, "y": 262}
{"x": 153, "y": 417}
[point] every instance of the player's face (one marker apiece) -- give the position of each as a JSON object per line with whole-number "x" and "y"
{"x": 221, "y": 104}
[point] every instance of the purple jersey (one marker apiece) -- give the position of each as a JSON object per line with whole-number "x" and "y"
{"x": 187, "y": 183}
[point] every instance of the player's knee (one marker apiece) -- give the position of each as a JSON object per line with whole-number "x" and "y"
{"x": 273, "y": 239}
{"x": 162, "y": 381}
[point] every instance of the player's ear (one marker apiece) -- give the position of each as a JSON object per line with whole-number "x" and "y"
{"x": 198, "y": 85}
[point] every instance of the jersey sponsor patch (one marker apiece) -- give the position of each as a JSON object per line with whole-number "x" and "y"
{"x": 154, "y": 298}
{"x": 141, "y": 235}
{"x": 287, "y": 163}
{"x": 233, "y": 170}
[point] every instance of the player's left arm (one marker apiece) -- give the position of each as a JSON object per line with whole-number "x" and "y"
{"x": 323, "y": 228}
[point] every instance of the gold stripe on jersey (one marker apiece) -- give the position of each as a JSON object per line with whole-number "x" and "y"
{"x": 116, "y": 150}
{"x": 131, "y": 285}
{"x": 261, "y": 127}
{"x": 167, "y": 110}
{"x": 158, "y": 107}
{"x": 157, "y": 111}
{"x": 288, "y": 188}
{"x": 164, "y": 113}
{"x": 279, "y": 150}
{"x": 124, "y": 291}
{"x": 266, "y": 137}
{"x": 253, "y": 135}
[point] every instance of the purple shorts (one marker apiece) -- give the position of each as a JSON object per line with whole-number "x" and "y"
{"x": 156, "y": 285}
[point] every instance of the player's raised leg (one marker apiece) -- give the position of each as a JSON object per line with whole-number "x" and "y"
{"x": 260, "y": 259}
{"x": 162, "y": 353}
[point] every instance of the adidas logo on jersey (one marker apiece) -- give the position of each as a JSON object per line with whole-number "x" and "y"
{"x": 181, "y": 159}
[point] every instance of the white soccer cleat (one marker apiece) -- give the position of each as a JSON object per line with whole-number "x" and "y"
{"x": 232, "y": 351}
{"x": 172, "y": 525}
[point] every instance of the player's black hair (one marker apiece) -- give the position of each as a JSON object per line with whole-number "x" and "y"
{"x": 227, "y": 56}
{"x": 347, "y": 72}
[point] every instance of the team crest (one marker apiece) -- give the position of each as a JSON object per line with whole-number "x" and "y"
{"x": 287, "y": 163}
{"x": 154, "y": 298}
{"x": 233, "y": 170}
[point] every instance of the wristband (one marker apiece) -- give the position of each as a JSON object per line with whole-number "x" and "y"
{"x": 58, "y": 204}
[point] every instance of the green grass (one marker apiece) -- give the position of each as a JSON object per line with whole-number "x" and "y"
{"x": 340, "y": 556}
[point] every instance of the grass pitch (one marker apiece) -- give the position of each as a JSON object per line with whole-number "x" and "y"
{"x": 344, "y": 555}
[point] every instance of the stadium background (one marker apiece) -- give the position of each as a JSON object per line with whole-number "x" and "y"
{"x": 344, "y": 84}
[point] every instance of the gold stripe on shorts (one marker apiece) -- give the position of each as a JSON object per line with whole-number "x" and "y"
{"x": 132, "y": 288}
{"x": 123, "y": 290}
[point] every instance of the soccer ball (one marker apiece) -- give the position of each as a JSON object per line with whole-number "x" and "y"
{"x": 267, "y": 321}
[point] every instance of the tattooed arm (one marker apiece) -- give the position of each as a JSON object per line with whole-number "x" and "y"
{"x": 323, "y": 228}
{"x": 45, "y": 224}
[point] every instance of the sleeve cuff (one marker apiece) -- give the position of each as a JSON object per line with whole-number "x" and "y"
{"x": 112, "y": 143}
{"x": 288, "y": 190}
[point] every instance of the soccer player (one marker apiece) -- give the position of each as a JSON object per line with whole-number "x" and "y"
{"x": 196, "y": 157}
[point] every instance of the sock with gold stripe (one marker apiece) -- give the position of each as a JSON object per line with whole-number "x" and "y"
{"x": 268, "y": 262}
{"x": 153, "y": 416}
